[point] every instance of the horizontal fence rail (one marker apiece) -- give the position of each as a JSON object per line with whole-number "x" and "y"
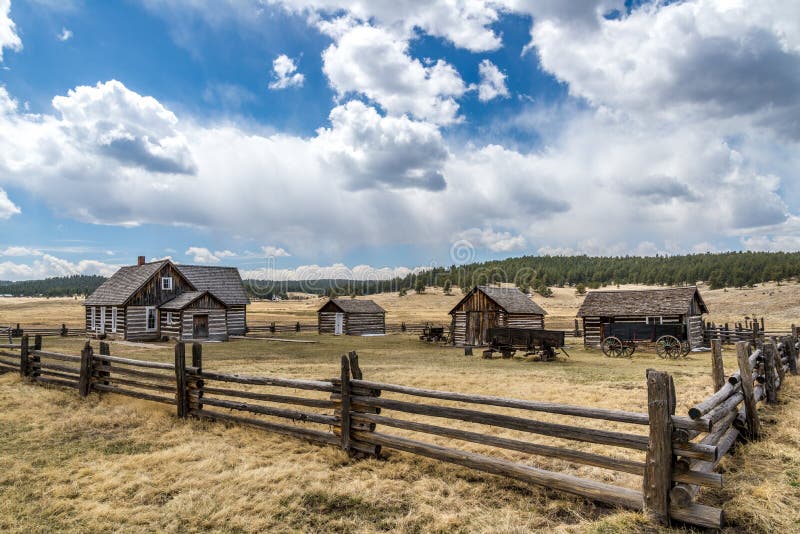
{"x": 674, "y": 455}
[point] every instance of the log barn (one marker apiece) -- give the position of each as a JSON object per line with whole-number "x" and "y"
{"x": 485, "y": 307}
{"x": 162, "y": 300}
{"x": 682, "y": 305}
{"x": 353, "y": 317}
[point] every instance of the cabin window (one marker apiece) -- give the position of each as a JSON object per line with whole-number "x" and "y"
{"x": 102, "y": 319}
{"x": 655, "y": 320}
{"x": 91, "y": 315}
{"x": 151, "y": 318}
{"x": 114, "y": 320}
{"x": 169, "y": 318}
{"x": 166, "y": 283}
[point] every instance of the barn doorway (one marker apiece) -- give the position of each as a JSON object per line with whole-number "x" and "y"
{"x": 339, "y": 326}
{"x": 200, "y": 326}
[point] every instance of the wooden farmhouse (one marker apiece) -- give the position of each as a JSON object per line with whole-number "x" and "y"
{"x": 353, "y": 317}
{"x": 162, "y": 300}
{"x": 485, "y": 307}
{"x": 650, "y": 306}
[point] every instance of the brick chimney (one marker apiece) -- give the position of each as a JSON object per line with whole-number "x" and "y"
{"x": 141, "y": 261}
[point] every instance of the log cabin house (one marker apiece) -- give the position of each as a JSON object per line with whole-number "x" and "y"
{"x": 353, "y": 317}
{"x": 650, "y": 306}
{"x": 485, "y": 307}
{"x": 162, "y": 300}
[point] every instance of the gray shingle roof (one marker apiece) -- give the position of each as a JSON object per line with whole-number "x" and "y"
{"x": 122, "y": 284}
{"x": 349, "y": 305}
{"x": 643, "y": 302}
{"x": 183, "y": 300}
{"x": 512, "y": 300}
{"x": 224, "y": 282}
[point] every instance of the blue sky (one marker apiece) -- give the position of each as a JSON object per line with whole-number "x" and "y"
{"x": 392, "y": 135}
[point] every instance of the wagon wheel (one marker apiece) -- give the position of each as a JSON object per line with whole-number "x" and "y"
{"x": 668, "y": 347}
{"x": 686, "y": 348}
{"x": 612, "y": 347}
{"x": 627, "y": 350}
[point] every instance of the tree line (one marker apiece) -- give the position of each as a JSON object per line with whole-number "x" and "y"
{"x": 530, "y": 273}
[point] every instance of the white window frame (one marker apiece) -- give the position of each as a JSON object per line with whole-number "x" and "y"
{"x": 147, "y": 311}
{"x": 166, "y": 283}
{"x": 102, "y": 319}
{"x": 170, "y": 319}
{"x": 114, "y": 320}
{"x": 92, "y": 321}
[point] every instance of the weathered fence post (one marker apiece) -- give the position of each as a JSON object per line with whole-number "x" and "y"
{"x": 297, "y": 326}
{"x": 791, "y": 353}
{"x": 85, "y": 381}
{"x": 577, "y": 328}
{"x": 197, "y": 384}
{"x": 345, "y": 404}
{"x": 746, "y": 377}
{"x": 769, "y": 373}
{"x": 34, "y": 360}
{"x": 272, "y": 327}
{"x": 717, "y": 367}
{"x": 181, "y": 394}
{"x": 105, "y": 350}
{"x": 24, "y": 361}
{"x": 659, "y": 461}
{"x": 776, "y": 356}
{"x": 63, "y": 332}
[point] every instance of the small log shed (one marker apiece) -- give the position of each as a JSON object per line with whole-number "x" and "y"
{"x": 353, "y": 317}
{"x": 485, "y": 307}
{"x": 649, "y": 306}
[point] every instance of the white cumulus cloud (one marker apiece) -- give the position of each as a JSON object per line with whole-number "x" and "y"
{"x": 8, "y": 30}
{"x": 65, "y": 35}
{"x": 7, "y": 207}
{"x": 493, "y": 82}
{"x": 284, "y": 72}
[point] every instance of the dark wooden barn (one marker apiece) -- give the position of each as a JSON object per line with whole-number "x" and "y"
{"x": 353, "y": 317}
{"x": 650, "y": 306}
{"x": 157, "y": 300}
{"x": 485, "y": 307}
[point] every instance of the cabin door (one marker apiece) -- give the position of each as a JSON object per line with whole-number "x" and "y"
{"x": 200, "y": 326}
{"x": 473, "y": 330}
{"x": 339, "y": 326}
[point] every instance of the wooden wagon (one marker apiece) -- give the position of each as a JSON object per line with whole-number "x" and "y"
{"x": 434, "y": 334}
{"x": 619, "y": 340}
{"x": 507, "y": 341}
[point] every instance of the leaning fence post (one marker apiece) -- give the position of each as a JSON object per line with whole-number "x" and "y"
{"x": 181, "y": 396}
{"x": 746, "y": 377}
{"x": 345, "y": 403}
{"x": 24, "y": 361}
{"x": 105, "y": 350}
{"x": 196, "y": 385}
{"x": 659, "y": 461}
{"x": 85, "y": 382}
{"x": 769, "y": 373}
{"x": 776, "y": 356}
{"x": 717, "y": 367}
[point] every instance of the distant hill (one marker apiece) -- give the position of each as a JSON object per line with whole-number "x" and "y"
{"x": 59, "y": 286}
{"x": 728, "y": 269}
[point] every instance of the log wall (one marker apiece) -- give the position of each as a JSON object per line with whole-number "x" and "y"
{"x": 217, "y": 327}
{"x": 237, "y": 320}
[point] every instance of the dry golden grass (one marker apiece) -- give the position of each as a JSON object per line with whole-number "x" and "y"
{"x": 114, "y": 463}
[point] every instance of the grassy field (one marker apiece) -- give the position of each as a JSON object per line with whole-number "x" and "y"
{"x": 114, "y": 463}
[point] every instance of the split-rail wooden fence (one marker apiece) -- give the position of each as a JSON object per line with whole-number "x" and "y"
{"x": 363, "y": 417}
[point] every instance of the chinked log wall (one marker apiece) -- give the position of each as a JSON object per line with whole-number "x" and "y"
{"x": 681, "y": 453}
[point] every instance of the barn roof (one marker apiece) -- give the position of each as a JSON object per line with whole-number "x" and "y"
{"x": 643, "y": 302}
{"x": 184, "y": 299}
{"x": 511, "y": 299}
{"x": 224, "y": 282}
{"x": 122, "y": 284}
{"x": 355, "y": 305}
